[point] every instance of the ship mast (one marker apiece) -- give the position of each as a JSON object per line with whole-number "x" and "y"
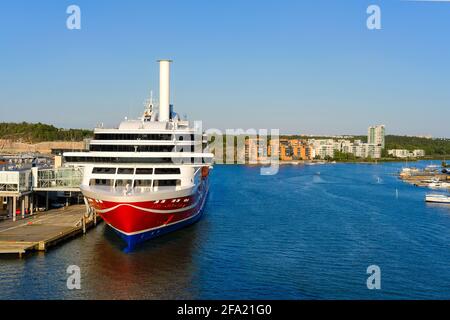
{"x": 148, "y": 112}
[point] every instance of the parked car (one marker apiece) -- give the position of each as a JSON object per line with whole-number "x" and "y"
{"x": 19, "y": 211}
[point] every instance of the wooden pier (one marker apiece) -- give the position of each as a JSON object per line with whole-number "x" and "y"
{"x": 423, "y": 178}
{"x": 44, "y": 230}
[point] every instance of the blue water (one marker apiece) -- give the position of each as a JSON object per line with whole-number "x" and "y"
{"x": 309, "y": 232}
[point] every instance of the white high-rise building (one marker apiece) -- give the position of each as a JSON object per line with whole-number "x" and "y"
{"x": 375, "y": 135}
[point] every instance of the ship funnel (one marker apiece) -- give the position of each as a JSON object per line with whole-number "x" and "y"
{"x": 164, "y": 90}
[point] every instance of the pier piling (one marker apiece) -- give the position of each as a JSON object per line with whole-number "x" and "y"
{"x": 22, "y": 207}
{"x": 14, "y": 207}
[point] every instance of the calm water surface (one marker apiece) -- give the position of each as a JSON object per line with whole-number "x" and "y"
{"x": 309, "y": 232}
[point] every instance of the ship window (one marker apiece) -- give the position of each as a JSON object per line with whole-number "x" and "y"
{"x": 125, "y": 171}
{"x": 130, "y": 148}
{"x": 143, "y": 183}
{"x": 189, "y": 148}
{"x": 124, "y": 183}
{"x": 144, "y": 171}
{"x": 185, "y": 137}
{"x": 162, "y": 148}
{"x": 100, "y": 182}
{"x": 167, "y": 183}
{"x": 104, "y": 170}
{"x": 125, "y": 136}
{"x": 117, "y": 160}
{"x": 167, "y": 171}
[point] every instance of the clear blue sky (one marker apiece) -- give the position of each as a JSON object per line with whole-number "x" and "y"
{"x": 307, "y": 66}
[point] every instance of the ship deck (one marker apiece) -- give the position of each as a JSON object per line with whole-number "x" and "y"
{"x": 121, "y": 195}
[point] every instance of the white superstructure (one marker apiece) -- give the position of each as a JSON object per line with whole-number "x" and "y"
{"x": 157, "y": 151}
{"x": 148, "y": 176}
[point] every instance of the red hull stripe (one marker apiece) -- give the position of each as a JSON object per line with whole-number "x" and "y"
{"x": 155, "y": 228}
{"x": 135, "y": 218}
{"x": 148, "y": 210}
{"x": 198, "y": 211}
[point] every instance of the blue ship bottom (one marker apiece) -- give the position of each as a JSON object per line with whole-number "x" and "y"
{"x": 133, "y": 240}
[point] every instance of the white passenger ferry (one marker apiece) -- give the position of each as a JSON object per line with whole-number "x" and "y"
{"x": 148, "y": 176}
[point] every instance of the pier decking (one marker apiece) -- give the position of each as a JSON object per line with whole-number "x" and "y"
{"x": 41, "y": 231}
{"x": 422, "y": 178}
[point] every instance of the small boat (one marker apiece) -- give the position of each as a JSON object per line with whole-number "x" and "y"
{"x": 437, "y": 198}
{"x": 439, "y": 185}
{"x": 409, "y": 172}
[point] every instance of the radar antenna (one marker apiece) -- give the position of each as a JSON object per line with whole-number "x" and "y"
{"x": 148, "y": 104}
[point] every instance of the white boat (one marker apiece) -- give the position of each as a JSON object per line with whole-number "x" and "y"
{"x": 437, "y": 198}
{"x": 409, "y": 171}
{"x": 432, "y": 167}
{"x": 148, "y": 176}
{"x": 439, "y": 185}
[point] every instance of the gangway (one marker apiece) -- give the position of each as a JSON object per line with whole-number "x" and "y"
{"x": 61, "y": 179}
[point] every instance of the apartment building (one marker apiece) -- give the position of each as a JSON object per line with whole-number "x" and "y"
{"x": 376, "y": 135}
{"x": 403, "y": 153}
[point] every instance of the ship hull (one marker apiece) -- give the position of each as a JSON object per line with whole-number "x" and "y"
{"x": 438, "y": 201}
{"x": 132, "y": 240}
{"x": 136, "y": 222}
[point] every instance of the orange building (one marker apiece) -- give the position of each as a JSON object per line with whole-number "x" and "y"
{"x": 256, "y": 150}
{"x": 286, "y": 150}
{"x": 295, "y": 149}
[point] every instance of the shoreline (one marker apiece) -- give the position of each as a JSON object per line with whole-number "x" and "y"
{"x": 322, "y": 162}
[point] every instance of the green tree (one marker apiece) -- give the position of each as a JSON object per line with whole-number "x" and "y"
{"x": 39, "y": 132}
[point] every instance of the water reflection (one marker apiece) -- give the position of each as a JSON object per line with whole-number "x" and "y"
{"x": 278, "y": 237}
{"x": 159, "y": 269}
{"x": 443, "y": 206}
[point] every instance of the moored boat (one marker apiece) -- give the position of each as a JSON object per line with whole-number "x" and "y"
{"x": 439, "y": 185}
{"x": 148, "y": 176}
{"x": 437, "y": 198}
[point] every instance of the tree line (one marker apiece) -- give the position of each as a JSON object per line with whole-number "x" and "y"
{"x": 436, "y": 146}
{"x": 39, "y": 132}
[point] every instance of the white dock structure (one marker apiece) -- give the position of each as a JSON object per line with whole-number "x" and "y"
{"x": 40, "y": 231}
{"x": 17, "y": 187}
